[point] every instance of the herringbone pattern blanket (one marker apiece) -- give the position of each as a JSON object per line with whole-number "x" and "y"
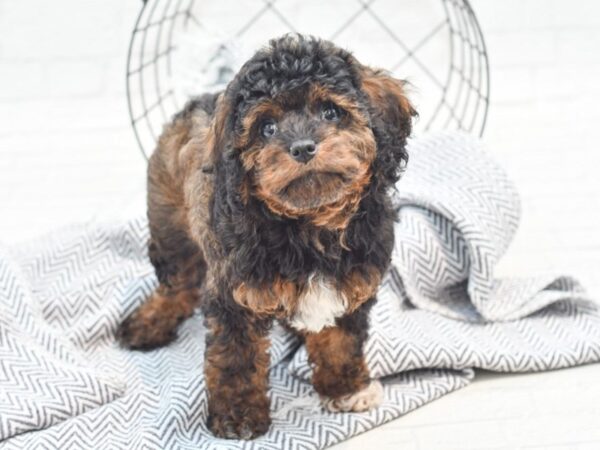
{"x": 64, "y": 382}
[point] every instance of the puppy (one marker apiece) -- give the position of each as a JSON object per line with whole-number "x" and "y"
{"x": 270, "y": 201}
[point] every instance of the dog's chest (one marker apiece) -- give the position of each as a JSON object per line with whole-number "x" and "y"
{"x": 318, "y": 306}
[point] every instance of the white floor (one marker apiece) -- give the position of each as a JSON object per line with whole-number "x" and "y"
{"x": 68, "y": 154}
{"x": 552, "y": 410}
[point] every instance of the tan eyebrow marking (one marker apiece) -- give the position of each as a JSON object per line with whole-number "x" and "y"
{"x": 319, "y": 94}
{"x": 267, "y": 108}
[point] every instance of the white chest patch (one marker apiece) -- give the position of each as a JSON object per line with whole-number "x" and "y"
{"x": 318, "y": 308}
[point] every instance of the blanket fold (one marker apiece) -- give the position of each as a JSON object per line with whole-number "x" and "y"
{"x": 441, "y": 312}
{"x": 44, "y": 377}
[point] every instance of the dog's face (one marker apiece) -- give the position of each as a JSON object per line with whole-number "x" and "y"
{"x": 306, "y": 148}
{"x": 308, "y": 127}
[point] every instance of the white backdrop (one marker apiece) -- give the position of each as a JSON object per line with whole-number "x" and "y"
{"x": 67, "y": 152}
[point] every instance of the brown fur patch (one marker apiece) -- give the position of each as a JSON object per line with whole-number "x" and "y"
{"x": 155, "y": 322}
{"x": 279, "y": 298}
{"x": 339, "y": 366}
{"x": 359, "y": 287}
{"x": 380, "y": 87}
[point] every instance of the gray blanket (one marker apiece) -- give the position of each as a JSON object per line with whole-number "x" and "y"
{"x": 64, "y": 383}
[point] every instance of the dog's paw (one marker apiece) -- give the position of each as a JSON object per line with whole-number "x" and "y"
{"x": 368, "y": 398}
{"x": 142, "y": 331}
{"x": 252, "y": 424}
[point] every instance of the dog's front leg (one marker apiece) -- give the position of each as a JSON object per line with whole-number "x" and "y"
{"x": 236, "y": 369}
{"x": 340, "y": 375}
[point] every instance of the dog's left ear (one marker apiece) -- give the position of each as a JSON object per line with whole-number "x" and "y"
{"x": 391, "y": 120}
{"x": 220, "y": 127}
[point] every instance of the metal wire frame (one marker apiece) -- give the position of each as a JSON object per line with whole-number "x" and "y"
{"x": 464, "y": 93}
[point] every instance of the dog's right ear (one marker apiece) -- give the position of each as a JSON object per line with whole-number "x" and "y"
{"x": 219, "y": 133}
{"x": 230, "y": 177}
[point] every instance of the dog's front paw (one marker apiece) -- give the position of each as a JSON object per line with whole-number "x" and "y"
{"x": 250, "y": 423}
{"x": 144, "y": 331}
{"x": 368, "y": 398}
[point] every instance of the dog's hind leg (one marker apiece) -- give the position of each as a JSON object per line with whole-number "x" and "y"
{"x": 180, "y": 274}
{"x": 180, "y": 269}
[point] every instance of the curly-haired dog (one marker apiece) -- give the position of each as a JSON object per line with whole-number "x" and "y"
{"x": 270, "y": 201}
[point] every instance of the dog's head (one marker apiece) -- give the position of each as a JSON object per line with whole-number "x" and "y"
{"x": 304, "y": 128}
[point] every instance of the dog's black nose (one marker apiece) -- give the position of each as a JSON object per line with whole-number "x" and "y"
{"x": 303, "y": 150}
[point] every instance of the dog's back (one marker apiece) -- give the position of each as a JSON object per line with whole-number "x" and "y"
{"x": 175, "y": 255}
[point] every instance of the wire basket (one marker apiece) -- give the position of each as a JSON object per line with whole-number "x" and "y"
{"x": 181, "y": 48}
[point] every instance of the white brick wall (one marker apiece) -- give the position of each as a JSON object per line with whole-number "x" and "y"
{"x": 67, "y": 153}
{"x": 66, "y": 149}
{"x": 545, "y": 60}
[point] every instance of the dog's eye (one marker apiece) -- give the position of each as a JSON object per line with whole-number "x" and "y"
{"x": 330, "y": 112}
{"x": 268, "y": 129}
